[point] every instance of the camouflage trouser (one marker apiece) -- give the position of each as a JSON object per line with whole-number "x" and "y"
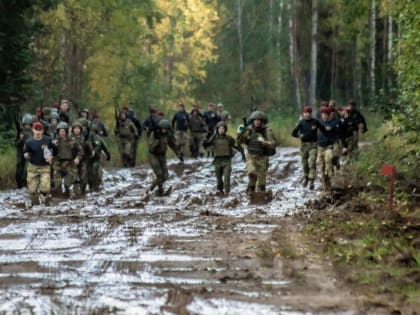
{"x": 63, "y": 170}
{"x": 257, "y": 167}
{"x": 325, "y": 156}
{"x": 181, "y": 138}
{"x": 196, "y": 141}
{"x": 337, "y": 150}
{"x": 38, "y": 179}
{"x": 81, "y": 173}
{"x": 308, "y": 152}
{"x": 126, "y": 151}
{"x": 159, "y": 167}
{"x": 223, "y": 168}
{"x": 134, "y": 154}
{"x": 352, "y": 146}
{"x": 94, "y": 174}
{"x": 21, "y": 165}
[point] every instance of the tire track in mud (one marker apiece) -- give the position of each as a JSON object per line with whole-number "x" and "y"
{"x": 124, "y": 250}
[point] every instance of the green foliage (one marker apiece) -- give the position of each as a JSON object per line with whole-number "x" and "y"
{"x": 7, "y": 161}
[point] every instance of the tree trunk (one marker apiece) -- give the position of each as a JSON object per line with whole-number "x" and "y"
{"x": 372, "y": 51}
{"x": 389, "y": 55}
{"x": 293, "y": 53}
{"x": 239, "y": 31}
{"x": 279, "y": 31}
{"x": 314, "y": 53}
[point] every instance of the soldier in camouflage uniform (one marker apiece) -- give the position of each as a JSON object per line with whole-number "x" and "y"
{"x": 127, "y": 134}
{"x": 260, "y": 143}
{"x": 198, "y": 130}
{"x": 223, "y": 146}
{"x": 158, "y": 143}
{"x": 348, "y": 133}
{"x": 94, "y": 163}
{"x": 306, "y": 130}
{"x": 327, "y": 137}
{"x": 24, "y": 134}
{"x": 53, "y": 122}
{"x": 80, "y": 171}
{"x": 69, "y": 155}
{"x": 39, "y": 152}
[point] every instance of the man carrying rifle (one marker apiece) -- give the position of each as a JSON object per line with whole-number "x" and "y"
{"x": 127, "y": 134}
{"x": 160, "y": 138}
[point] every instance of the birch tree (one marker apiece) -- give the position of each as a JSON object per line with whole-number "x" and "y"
{"x": 373, "y": 50}
{"x": 314, "y": 53}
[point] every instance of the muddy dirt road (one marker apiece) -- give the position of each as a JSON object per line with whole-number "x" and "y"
{"x": 124, "y": 251}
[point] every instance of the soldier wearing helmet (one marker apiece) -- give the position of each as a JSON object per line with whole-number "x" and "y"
{"x": 223, "y": 114}
{"x": 81, "y": 170}
{"x": 306, "y": 130}
{"x": 24, "y": 133}
{"x": 69, "y": 155}
{"x": 127, "y": 134}
{"x": 223, "y": 146}
{"x": 260, "y": 143}
{"x": 158, "y": 142}
{"x": 94, "y": 164}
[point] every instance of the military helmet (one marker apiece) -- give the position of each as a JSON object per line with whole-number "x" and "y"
{"x": 83, "y": 122}
{"x": 77, "y": 123}
{"x": 221, "y": 124}
{"x": 258, "y": 114}
{"x": 85, "y": 110}
{"x": 62, "y": 125}
{"x": 164, "y": 123}
{"x": 54, "y": 115}
{"x": 27, "y": 119}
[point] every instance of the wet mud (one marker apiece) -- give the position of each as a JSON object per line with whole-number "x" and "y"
{"x": 125, "y": 250}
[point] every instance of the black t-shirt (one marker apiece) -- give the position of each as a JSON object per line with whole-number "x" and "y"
{"x": 36, "y": 150}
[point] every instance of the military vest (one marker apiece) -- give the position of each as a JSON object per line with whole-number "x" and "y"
{"x": 254, "y": 146}
{"x": 125, "y": 130}
{"x": 65, "y": 149}
{"x": 221, "y": 147}
{"x": 197, "y": 124}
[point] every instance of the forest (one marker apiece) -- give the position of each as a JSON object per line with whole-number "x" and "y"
{"x": 276, "y": 55}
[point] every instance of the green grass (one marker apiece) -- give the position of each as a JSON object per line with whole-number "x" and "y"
{"x": 7, "y": 167}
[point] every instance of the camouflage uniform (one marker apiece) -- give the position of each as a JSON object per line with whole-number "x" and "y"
{"x": 198, "y": 130}
{"x": 257, "y": 160}
{"x": 306, "y": 130}
{"x": 327, "y": 137}
{"x": 223, "y": 146}
{"x": 21, "y": 164}
{"x": 64, "y": 169}
{"x": 127, "y": 133}
{"x": 94, "y": 163}
{"x": 158, "y": 143}
{"x": 81, "y": 170}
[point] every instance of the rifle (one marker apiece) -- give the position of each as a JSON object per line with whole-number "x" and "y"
{"x": 17, "y": 119}
{"x": 117, "y": 116}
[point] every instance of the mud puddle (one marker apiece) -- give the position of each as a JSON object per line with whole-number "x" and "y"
{"x": 126, "y": 251}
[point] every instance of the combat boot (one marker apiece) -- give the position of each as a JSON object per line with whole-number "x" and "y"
{"x": 305, "y": 181}
{"x": 261, "y": 188}
{"x": 311, "y": 184}
{"x": 250, "y": 190}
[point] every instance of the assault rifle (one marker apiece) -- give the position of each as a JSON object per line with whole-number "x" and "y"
{"x": 17, "y": 119}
